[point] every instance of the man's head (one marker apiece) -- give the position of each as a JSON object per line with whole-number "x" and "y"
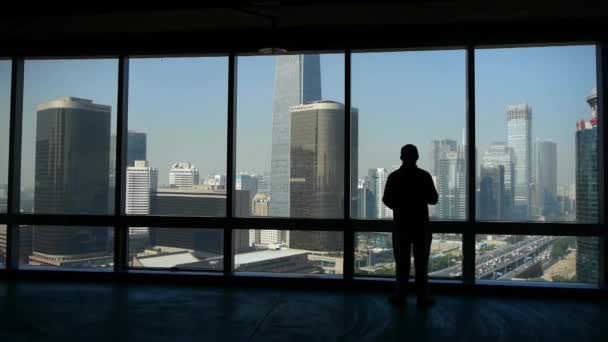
{"x": 409, "y": 154}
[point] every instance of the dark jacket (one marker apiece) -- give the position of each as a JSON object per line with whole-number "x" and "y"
{"x": 408, "y": 192}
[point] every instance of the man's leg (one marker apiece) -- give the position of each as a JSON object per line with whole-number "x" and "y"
{"x": 422, "y": 250}
{"x": 402, "y": 251}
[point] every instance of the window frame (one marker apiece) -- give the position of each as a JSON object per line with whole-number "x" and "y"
{"x": 120, "y": 221}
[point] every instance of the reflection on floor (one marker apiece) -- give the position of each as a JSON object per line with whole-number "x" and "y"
{"x": 103, "y": 312}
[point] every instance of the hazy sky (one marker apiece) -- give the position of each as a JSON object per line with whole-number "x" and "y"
{"x": 403, "y": 97}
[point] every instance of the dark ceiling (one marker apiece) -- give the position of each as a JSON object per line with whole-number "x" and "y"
{"x": 296, "y": 22}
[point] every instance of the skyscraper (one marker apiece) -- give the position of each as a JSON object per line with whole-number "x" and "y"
{"x": 452, "y": 186}
{"x": 587, "y": 193}
{"x": 363, "y": 199}
{"x": 439, "y": 148}
{"x": 317, "y": 160}
{"x": 519, "y": 132}
{"x": 136, "y": 147}
{"x": 317, "y": 169}
{"x": 545, "y": 179}
{"x": 297, "y": 81}
{"x": 71, "y": 173}
{"x": 377, "y": 180}
{"x": 491, "y": 192}
{"x": 499, "y": 154}
{"x": 183, "y": 175}
{"x": 142, "y": 180}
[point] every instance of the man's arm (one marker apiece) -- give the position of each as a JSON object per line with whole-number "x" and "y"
{"x": 433, "y": 197}
{"x": 389, "y": 193}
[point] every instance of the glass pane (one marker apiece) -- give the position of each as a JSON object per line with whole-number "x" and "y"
{"x": 374, "y": 255}
{"x": 537, "y": 258}
{"x": 176, "y": 160}
{"x": 176, "y": 248}
{"x": 66, "y": 247}
{"x": 2, "y": 245}
{"x": 5, "y": 107}
{"x": 289, "y": 251}
{"x": 290, "y": 134}
{"x": 69, "y": 114}
{"x": 537, "y": 134}
{"x": 397, "y": 94}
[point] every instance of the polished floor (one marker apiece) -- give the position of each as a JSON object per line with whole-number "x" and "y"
{"x": 103, "y": 312}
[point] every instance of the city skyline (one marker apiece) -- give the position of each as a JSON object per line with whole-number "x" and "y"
{"x": 492, "y": 98}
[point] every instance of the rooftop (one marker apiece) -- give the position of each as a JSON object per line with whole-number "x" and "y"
{"x": 257, "y": 256}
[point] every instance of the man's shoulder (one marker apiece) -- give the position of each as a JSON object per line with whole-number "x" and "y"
{"x": 423, "y": 173}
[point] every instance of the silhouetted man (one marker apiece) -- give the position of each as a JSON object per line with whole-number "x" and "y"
{"x": 408, "y": 192}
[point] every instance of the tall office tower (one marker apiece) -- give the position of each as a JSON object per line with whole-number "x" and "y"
{"x": 247, "y": 182}
{"x": 500, "y": 154}
{"x": 363, "y": 198}
{"x": 261, "y": 205}
{"x": 377, "y": 180}
{"x": 491, "y": 192}
{"x": 545, "y": 179}
{"x": 183, "y": 175}
{"x": 142, "y": 180}
{"x": 297, "y": 81}
{"x": 317, "y": 169}
{"x": 519, "y": 133}
{"x": 72, "y": 163}
{"x": 452, "y": 186}
{"x": 439, "y": 148}
{"x": 317, "y": 160}
{"x": 587, "y": 193}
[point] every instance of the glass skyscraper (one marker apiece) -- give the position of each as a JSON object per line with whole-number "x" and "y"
{"x": 452, "y": 186}
{"x": 72, "y": 163}
{"x": 587, "y": 194}
{"x": 519, "y": 132}
{"x": 297, "y": 81}
{"x": 545, "y": 179}
{"x": 317, "y": 170}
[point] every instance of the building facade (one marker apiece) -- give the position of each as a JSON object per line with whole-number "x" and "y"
{"x": 142, "y": 180}
{"x": 297, "y": 81}
{"x": 545, "y": 180}
{"x": 183, "y": 175}
{"x": 452, "y": 188}
{"x": 500, "y": 154}
{"x": 519, "y": 133}
{"x": 439, "y": 149}
{"x": 377, "y": 181}
{"x": 587, "y": 194}
{"x": 490, "y": 202}
{"x": 72, "y": 177}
